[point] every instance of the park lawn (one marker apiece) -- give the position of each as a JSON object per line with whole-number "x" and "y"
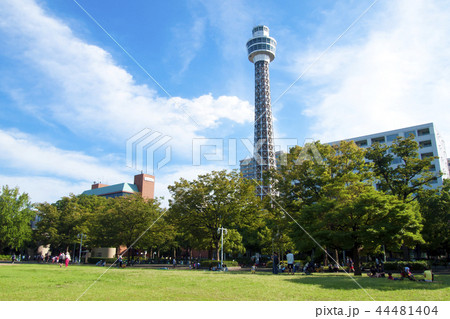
{"x": 49, "y": 282}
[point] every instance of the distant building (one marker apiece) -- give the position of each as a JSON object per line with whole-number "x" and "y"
{"x": 143, "y": 183}
{"x": 429, "y": 140}
{"x": 247, "y": 166}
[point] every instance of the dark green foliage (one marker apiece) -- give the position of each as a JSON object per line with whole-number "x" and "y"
{"x": 399, "y": 265}
{"x": 62, "y": 221}
{"x": 94, "y": 260}
{"x": 336, "y": 204}
{"x": 435, "y": 208}
{"x": 206, "y": 263}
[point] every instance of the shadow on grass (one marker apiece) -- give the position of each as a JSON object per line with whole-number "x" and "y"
{"x": 343, "y": 282}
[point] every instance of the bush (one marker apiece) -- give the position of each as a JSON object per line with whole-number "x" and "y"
{"x": 94, "y": 260}
{"x": 5, "y": 257}
{"x": 398, "y": 265}
{"x": 284, "y": 263}
{"x": 244, "y": 261}
{"x": 213, "y": 263}
{"x": 440, "y": 262}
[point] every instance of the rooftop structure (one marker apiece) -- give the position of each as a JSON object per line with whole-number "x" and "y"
{"x": 143, "y": 183}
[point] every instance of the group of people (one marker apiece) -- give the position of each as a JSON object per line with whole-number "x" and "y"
{"x": 62, "y": 259}
{"x": 405, "y": 273}
{"x": 290, "y": 263}
{"x": 377, "y": 271}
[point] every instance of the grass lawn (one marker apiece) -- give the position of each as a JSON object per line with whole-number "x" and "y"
{"x": 49, "y": 282}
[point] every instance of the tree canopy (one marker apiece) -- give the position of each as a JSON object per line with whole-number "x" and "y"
{"x": 16, "y": 215}
{"x": 336, "y": 203}
{"x": 217, "y": 199}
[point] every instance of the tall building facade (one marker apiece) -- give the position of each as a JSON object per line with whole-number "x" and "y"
{"x": 261, "y": 51}
{"x": 429, "y": 140}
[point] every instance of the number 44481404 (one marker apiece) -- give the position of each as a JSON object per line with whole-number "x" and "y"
{"x": 407, "y": 310}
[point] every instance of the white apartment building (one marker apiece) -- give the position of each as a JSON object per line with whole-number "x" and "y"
{"x": 430, "y": 144}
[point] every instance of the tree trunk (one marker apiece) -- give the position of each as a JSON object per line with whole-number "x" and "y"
{"x": 405, "y": 251}
{"x": 326, "y": 256}
{"x": 356, "y": 260}
{"x": 336, "y": 256}
{"x": 218, "y": 250}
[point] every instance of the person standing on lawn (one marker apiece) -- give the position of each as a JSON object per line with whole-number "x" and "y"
{"x": 290, "y": 261}
{"x": 61, "y": 259}
{"x": 275, "y": 263}
{"x": 67, "y": 259}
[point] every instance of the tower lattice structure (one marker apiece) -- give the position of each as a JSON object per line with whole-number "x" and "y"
{"x": 261, "y": 51}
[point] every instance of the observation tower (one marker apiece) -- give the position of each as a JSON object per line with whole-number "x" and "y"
{"x": 261, "y": 51}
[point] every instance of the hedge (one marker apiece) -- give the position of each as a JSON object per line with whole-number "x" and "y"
{"x": 5, "y": 257}
{"x": 94, "y": 260}
{"x": 284, "y": 263}
{"x": 398, "y": 265}
{"x": 213, "y": 263}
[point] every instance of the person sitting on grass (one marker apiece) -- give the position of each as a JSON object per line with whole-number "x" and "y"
{"x": 373, "y": 271}
{"x": 379, "y": 272}
{"x": 428, "y": 276}
{"x": 406, "y": 273}
{"x": 390, "y": 277}
{"x": 99, "y": 263}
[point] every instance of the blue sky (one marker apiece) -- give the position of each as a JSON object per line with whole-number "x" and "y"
{"x": 70, "y": 97}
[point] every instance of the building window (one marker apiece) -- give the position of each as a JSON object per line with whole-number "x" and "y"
{"x": 424, "y": 131}
{"x": 434, "y": 181}
{"x": 413, "y": 133}
{"x": 391, "y": 137}
{"x": 432, "y": 168}
{"x": 425, "y": 155}
{"x": 378, "y": 139}
{"x": 361, "y": 143}
{"x": 424, "y": 144}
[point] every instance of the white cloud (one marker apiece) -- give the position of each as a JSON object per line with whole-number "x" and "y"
{"x": 43, "y": 189}
{"x": 187, "y": 47}
{"x": 30, "y": 163}
{"x": 96, "y": 96}
{"x": 25, "y": 154}
{"x": 395, "y": 75}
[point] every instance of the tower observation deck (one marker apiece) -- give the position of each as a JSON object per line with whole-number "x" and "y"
{"x": 261, "y": 51}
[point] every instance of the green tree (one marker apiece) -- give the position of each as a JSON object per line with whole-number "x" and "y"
{"x": 217, "y": 199}
{"x": 335, "y": 202}
{"x": 412, "y": 173}
{"x": 61, "y": 222}
{"x": 129, "y": 220}
{"x": 435, "y": 208}
{"x": 15, "y": 219}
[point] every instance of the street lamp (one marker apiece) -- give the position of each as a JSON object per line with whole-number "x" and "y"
{"x": 81, "y": 236}
{"x": 221, "y": 230}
